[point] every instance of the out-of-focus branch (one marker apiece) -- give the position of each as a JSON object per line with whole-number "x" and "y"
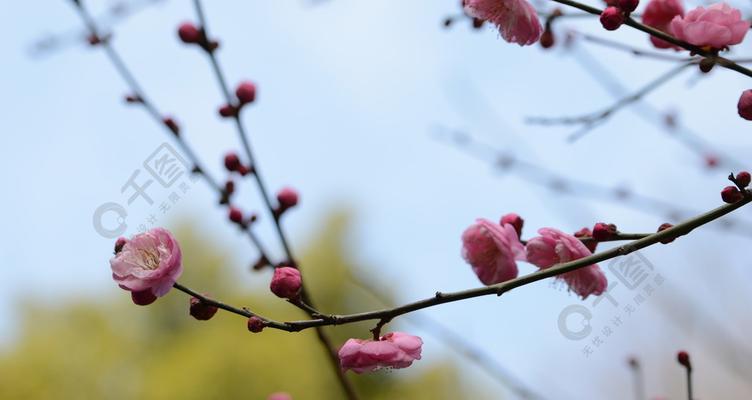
{"x": 140, "y": 97}
{"x": 561, "y": 184}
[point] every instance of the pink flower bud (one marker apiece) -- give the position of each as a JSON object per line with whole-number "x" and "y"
{"x": 229, "y": 187}
{"x": 587, "y": 233}
{"x": 628, "y": 5}
{"x": 731, "y": 194}
{"x": 515, "y": 220}
{"x": 286, "y": 283}
{"x": 143, "y": 297}
{"x": 603, "y": 231}
{"x": 683, "y": 358}
{"x": 189, "y": 33}
{"x": 612, "y": 18}
{"x": 663, "y": 227}
{"x": 200, "y": 310}
{"x": 228, "y": 110}
{"x": 232, "y": 162}
{"x": 256, "y": 324}
{"x": 745, "y": 105}
{"x": 743, "y": 179}
{"x": 246, "y": 92}
{"x": 287, "y": 197}
{"x": 235, "y": 215}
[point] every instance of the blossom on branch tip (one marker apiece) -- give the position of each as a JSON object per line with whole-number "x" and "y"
{"x": 717, "y": 26}
{"x": 286, "y": 283}
{"x": 189, "y": 33}
{"x": 393, "y": 350}
{"x": 516, "y": 20}
{"x": 150, "y": 261}
{"x": 603, "y": 231}
{"x": 658, "y": 14}
{"x": 556, "y": 247}
{"x": 492, "y": 250}
{"x": 287, "y": 197}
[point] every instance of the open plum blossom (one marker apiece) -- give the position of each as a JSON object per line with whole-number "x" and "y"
{"x": 393, "y": 350}
{"x": 554, "y": 247}
{"x": 492, "y": 250}
{"x": 658, "y": 14}
{"x": 717, "y": 26}
{"x": 148, "y": 265}
{"x": 517, "y": 20}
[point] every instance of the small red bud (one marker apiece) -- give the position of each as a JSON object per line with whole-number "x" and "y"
{"x": 603, "y": 231}
{"x": 228, "y": 110}
{"x": 515, "y": 220}
{"x": 663, "y": 227}
{"x": 229, "y": 187}
{"x": 256, "y": 324}
{"x": 547, "y": 39}
{"x": 189, "y": 33}
{"x": 171, "y": 125}
{"x": 246, "y": 92}
{"x": 711, "y": 161}
{"x": 232, "y": 162}
{"x": 200, "y": 310}
{"x": 731, "y": 194}
{"x": 612, "y": 18}
{"x": 683, "y": 358}
{"x": 628, "y": 5}
{"x": 119, "y": 243}
{"x": 745, "y": 105}
{"x": 743, "y": 179}
{"x": 132, "y": 98}
{"x": 235, "y": 215}
{"x": 143, "y": 298}
{"x": 287, "y": 197}
{"x": 587, "y": 233}
{"x": 286, "y": 283}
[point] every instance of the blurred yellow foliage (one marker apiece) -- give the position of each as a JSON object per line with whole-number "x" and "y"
{"x": 108, "y": 348}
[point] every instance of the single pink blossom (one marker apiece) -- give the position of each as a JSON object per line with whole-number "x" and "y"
{"x": 717, "y": 26}
{"x": 492, "y": 250}
{"x": 516, "y": 20}
{"x": 148, "y": 261}
{"x": 554, "y": 247}
{"x": 286, "y": 282}
{"x": 658, "y": 14}
{"x": 393, "y": 350}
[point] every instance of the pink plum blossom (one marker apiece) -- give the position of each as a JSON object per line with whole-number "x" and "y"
{"x": 516, "y": 20}
{"x": 393, "y": 350}
{"x": 554, "y": 247}
{"x": 150, "y": 261}
{"x": 717, "y": 26}
{"x": 658, "y": 14}
{"x": 492, "y": 250}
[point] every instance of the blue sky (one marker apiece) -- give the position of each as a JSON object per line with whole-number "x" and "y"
{"x": 350, "y": 93}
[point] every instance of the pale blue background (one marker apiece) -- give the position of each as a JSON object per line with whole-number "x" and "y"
{"x": 349, "y": 95}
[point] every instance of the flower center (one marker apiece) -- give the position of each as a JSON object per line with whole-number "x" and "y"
{"x": 149, "y": 259}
